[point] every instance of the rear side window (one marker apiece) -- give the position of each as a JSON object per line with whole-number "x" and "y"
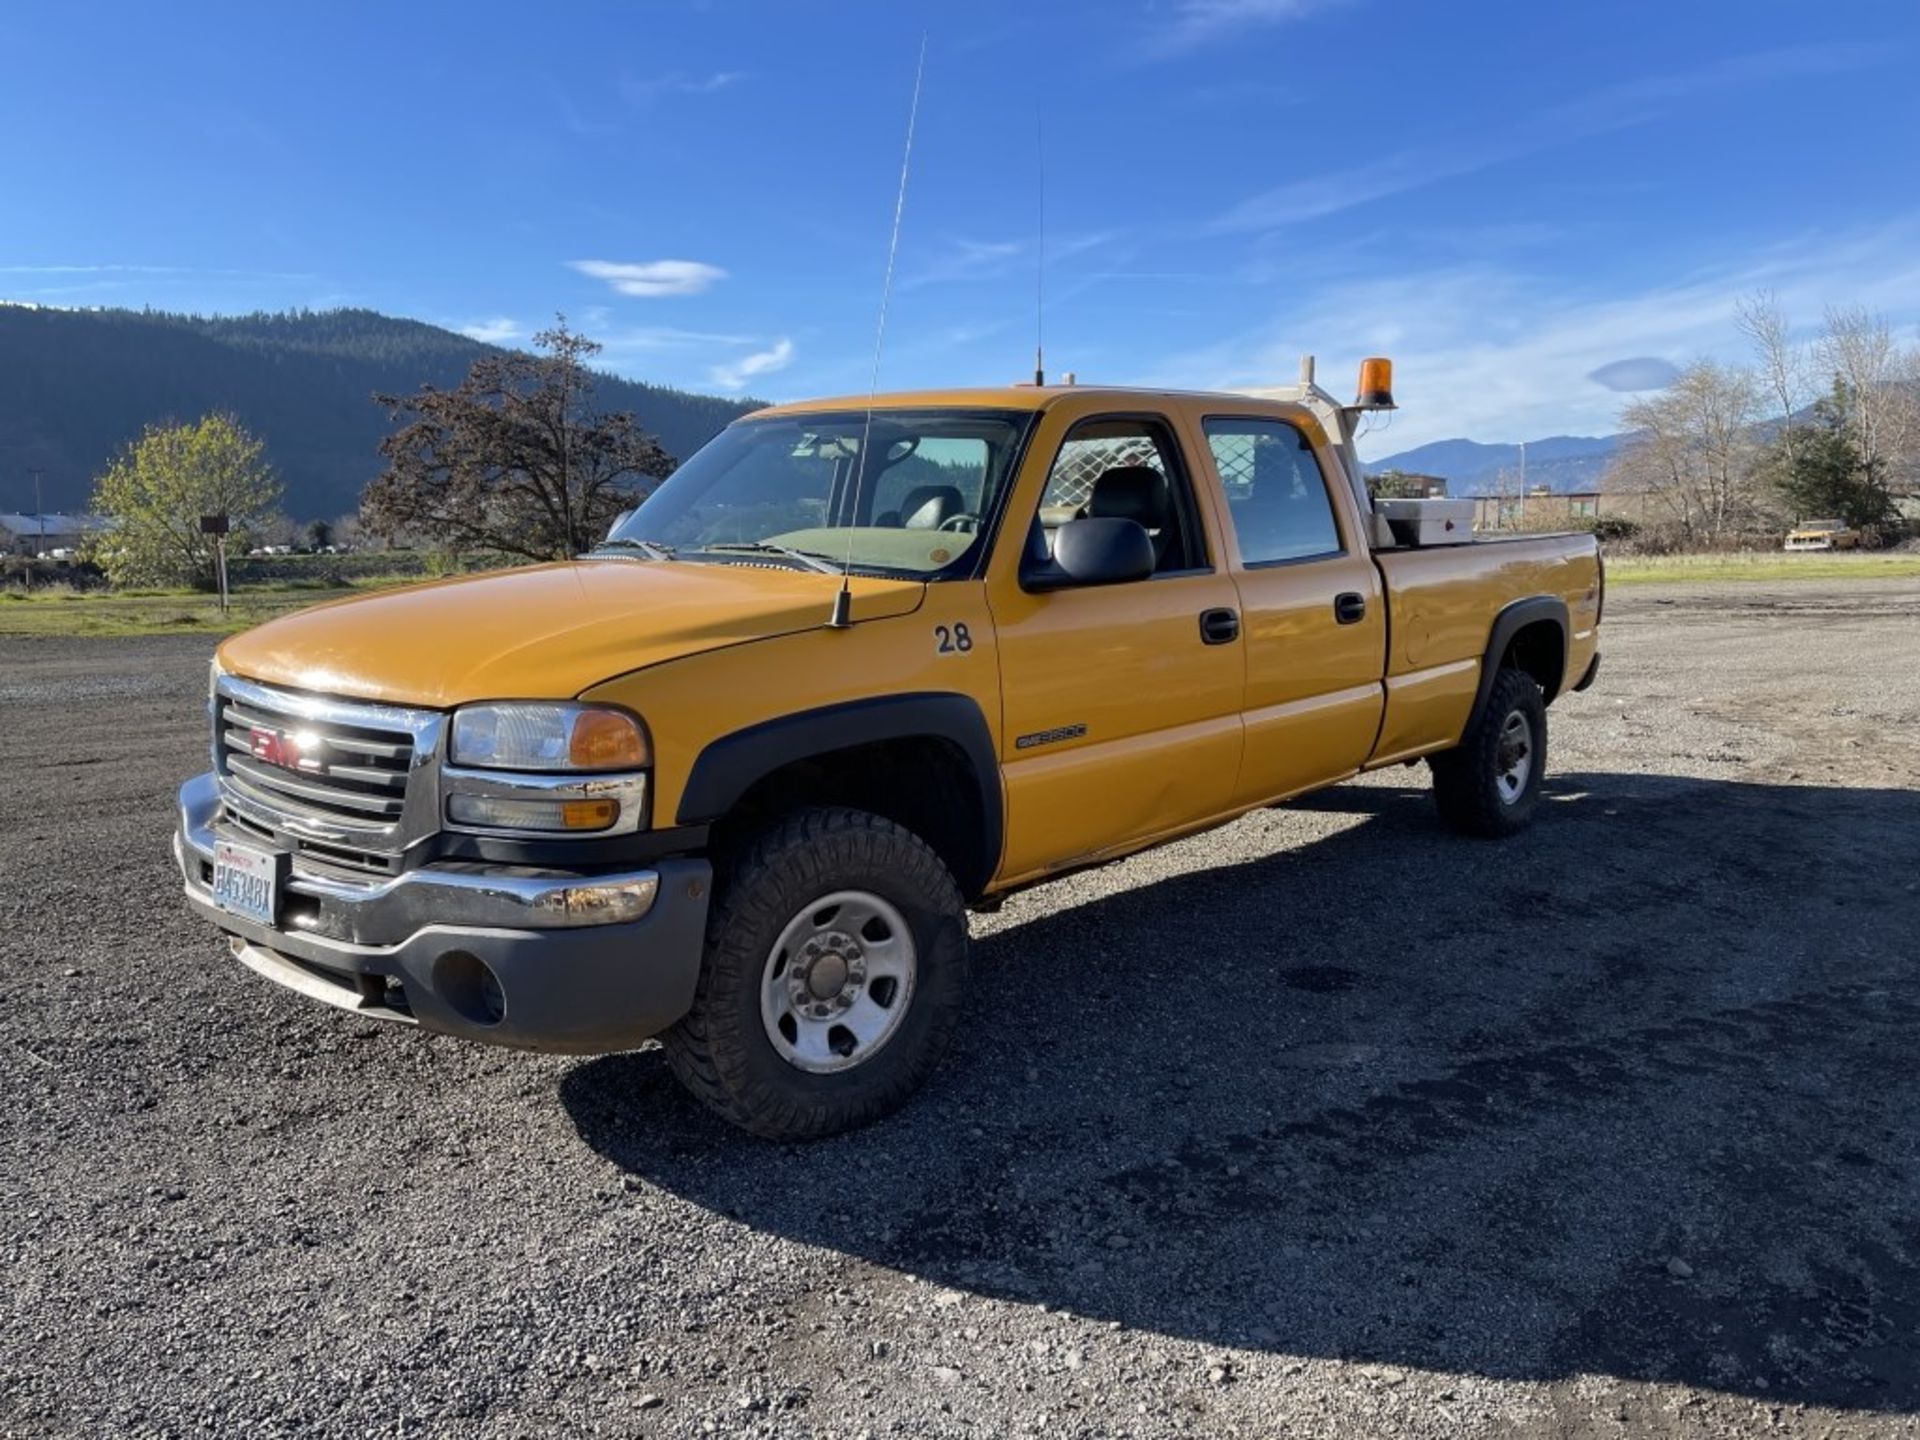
{"x": 1276, "y": 495}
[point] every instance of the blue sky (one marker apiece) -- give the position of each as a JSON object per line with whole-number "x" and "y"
{"x": 1505, "y": 196}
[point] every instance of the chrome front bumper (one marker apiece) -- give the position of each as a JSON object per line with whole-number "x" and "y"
{"x": 509, "y": 955}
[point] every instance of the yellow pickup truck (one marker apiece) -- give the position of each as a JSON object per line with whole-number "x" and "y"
{"x": 734, "y": 778}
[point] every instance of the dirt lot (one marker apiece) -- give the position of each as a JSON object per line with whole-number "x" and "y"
{"x": 1326, "y": 1124}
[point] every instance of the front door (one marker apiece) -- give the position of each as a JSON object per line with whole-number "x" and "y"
{"x": 1121, "y": 708}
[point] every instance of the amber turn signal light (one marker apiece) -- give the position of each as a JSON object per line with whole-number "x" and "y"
{"x": 606, "y": 740}
{"x": 589, "y": 814}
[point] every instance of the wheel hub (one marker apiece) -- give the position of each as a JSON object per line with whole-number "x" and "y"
{"x": 1513, "y": 756}
{"x": 838, "y": 981}
{"x": 826, "y": 976}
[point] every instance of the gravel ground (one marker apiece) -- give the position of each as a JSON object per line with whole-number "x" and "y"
{"x": 1325, "y": 1124}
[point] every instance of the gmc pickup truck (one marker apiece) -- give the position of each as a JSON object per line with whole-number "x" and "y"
{"x": 734, "y": 778}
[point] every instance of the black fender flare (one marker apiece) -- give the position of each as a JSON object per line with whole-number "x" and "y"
{"x": 733, "y": 764}
{"x": 1511, "y": 620}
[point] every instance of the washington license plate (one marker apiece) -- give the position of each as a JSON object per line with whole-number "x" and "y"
{"x": 246, "y": 881}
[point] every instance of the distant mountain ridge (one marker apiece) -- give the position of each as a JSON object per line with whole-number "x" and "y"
{"x": 1560, "y": 462}
{"x": 76, "y": 385}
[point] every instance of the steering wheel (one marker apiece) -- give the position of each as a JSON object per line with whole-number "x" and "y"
{"x": 964, "y": 524}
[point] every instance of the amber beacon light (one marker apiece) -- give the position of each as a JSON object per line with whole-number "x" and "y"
{"x": 1376, "y": 384}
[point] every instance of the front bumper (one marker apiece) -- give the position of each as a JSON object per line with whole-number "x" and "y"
{"x": 507, "y": 955}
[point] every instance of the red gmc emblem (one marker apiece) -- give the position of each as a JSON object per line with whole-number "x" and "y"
{"x": 274, "y": 747}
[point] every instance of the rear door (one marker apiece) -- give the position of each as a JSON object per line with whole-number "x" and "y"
{"x": 1313, "y": 609}
{"x": 1121, "y": 709}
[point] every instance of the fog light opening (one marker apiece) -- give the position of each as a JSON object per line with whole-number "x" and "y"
{"x": 468, "y": 984}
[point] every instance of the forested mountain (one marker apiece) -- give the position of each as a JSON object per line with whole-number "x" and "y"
{"x": 1561, "y": 462}
{"x": 76, "y": 385}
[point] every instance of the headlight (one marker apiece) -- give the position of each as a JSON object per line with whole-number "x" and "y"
{"x": 547, "y": 736}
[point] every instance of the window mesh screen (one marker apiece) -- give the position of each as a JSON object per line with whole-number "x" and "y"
{"x": 1233, "y": 457}
{"x": 1082, "y": 462}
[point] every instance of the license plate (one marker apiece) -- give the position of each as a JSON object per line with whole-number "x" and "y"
{"x": 246, "y": 881}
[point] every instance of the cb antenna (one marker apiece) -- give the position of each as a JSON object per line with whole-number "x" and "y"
{"x": 1040, "y": 258}
{"x": 842, "y": 616}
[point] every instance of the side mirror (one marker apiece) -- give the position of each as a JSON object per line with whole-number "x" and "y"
{"x": 1097, "y": 550}
{"x": 618, "y": 521}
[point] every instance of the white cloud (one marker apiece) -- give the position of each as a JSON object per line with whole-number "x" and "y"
{"x": 1196, "y": 22}
{"x": 1603, "y": 111}
{"x": 1501, "y": 355}
{"x": 651, "y": 279}
{"x": 961, "y": 259}
{"x": 497, "y": 331}
{"x": 735, "y": 374}
{"x": 645, "y": 88}
{"x": 669, "y": 337}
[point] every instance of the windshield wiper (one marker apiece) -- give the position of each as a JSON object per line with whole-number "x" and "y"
{"x": 807, "y": 558}
{"x": 652, "y": 549}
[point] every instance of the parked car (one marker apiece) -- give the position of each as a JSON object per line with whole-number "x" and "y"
{"x": 734, "y": 778}
{"x": 1822, "y": 535}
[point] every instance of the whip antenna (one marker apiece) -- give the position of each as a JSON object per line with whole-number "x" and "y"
{"x": 1040, "y": 260}
{"x": 842, "y": 615}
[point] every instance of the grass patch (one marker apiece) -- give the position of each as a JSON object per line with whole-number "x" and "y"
{"x": 62, "y": 610}
{"x": 1681, "y": 569}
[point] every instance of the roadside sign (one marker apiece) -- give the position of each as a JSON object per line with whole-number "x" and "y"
{"x": 218, "y": 525}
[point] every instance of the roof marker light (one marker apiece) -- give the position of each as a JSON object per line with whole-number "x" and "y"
{"x": 1376, "y": 385}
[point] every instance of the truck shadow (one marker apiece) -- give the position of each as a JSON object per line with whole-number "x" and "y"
{"x": 1633, "y": 1096}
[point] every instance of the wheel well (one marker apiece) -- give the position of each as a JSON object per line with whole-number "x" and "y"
{"x": 1540, "y": 649}
{"x": 924, "y": 783}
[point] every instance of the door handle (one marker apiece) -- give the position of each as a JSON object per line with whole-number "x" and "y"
{"x": 1350, "y": 608}
{"x": 1219, "y": 627}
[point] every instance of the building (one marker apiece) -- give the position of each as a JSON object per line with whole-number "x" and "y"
{"x": 1544, "y": 509}
{"x": 43, "y": 534}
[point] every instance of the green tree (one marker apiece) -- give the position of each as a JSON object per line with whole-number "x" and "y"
{"x": 514, "y": 459}
{"x": 1398, "y": 485}
{"x": 158, "y": 488}
{"x": 1819, "y": 470}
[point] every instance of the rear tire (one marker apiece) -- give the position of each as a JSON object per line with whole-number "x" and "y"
{"x": 1489, "y": 784}
{"x": 836, "y": 964}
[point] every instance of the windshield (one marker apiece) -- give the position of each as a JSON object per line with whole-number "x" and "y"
{"x": 792, "y": 489}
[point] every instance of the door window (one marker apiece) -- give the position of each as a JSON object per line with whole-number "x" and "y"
{"x": 1126, "y": 467}
{"x": 1276, "y": 494}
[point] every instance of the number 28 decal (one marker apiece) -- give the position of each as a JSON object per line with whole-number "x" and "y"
{"x": 951, "y": 640}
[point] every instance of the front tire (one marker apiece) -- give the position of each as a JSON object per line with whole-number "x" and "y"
{"x": 835, "y": 968}
{"x": 1489, "y": 784}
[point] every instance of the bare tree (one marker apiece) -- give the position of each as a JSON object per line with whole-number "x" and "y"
{"x": 515, "y": 459}
{"x": 1694, "y": 451}
{"x": 1783, "y": 365}
{"x": 1881, "y": 383}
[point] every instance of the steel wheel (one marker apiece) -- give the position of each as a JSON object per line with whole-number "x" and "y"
{"x": 1513, "y": 757}
{"x": 838, "y": 982}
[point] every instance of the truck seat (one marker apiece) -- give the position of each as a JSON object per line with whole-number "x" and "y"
{"x": 925, "y": 507}
{"x": 1138, "y": 493}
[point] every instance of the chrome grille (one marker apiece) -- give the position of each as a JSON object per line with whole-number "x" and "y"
{"x": 333, "y": 773}
{"x": 351, "y": 773}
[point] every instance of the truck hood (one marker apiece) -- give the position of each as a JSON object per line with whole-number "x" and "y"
{"x": 545, "y": 632}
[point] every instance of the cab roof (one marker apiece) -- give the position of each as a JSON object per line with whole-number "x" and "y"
{"x": 1003, "y": 397}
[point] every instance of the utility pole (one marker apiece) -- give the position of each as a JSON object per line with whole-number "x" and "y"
{"x": 1523, "y": 483}
{"x": 39, "y": 513}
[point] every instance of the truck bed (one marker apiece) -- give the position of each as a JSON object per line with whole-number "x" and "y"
{"x": 1439, "y": 601}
